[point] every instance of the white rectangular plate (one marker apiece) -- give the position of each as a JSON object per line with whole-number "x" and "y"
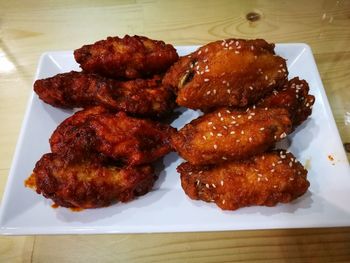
{"x": 167, "y": 208}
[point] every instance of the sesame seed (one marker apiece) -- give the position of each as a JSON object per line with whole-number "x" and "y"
{"x": 206, "y": 50}
{"x": 210, "y": 123}
{"x": 252, "y": 47}
{"x": 200, "y": 51}
{"x": 189, "y": 173}
{"x": 228, "y": 111}
{"x": 224, "y": 81}
{"x": 283, "y": 135}
{"x": 275, "y": 186}
{"x": 266, "y": 77}
{"x": 214, "y": 128}
{"x": 228, "y": 91}
{"x": 213, "y": 185}
{"x": 200, "y": 172}
{"x": 219, "y": 114}
{"x": 212, "y": 134}
{"x": 206, "y": 80}
{"x": 272, "y": 170}
{"x": 291, "y": 179}
{"x": 222, "y": 182}
{"x": 236, "y": 52}
{"x": 224, "y": 158}
{"x": 214, "y": 91}
{"x": 237, "y": 140}
{"x": 239, "y": 116}
{"x": 242, "y": 132}
{"x": 221, "y": 119}
{"x": 208, "y": 92}
{"x": 232, "y": 132}
{"x": 262, "y": 128}
{"x": 251, "y": 88}
{"x": 223, "y": 201}
{"x": 250, "y": 139}
{"x": 225, "y": 127}
{"x": 207, "y": 186}
{"x": 290, "y": 164}
{"x": 228, "y": 84}
{"x": 219, "y": 134}
{"x": 204, "y": 137}
{"x": 197, "y": 182}
{"x": 215, "y": 146}
{"x": 249, "y": 117}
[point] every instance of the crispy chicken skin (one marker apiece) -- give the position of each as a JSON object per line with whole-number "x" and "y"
{"x": 129, "y": 57}
{"x": 89, "y": 183}
{"x": 266, "y": 179}
{"x": 118, "y": 136}
{"x": 229, "y": 134}
{"x": 294, "y": 96}
{"x": 232, "y": 72}
{"x": 141, "y": 97}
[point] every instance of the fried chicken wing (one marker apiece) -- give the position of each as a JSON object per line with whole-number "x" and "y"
{"x": 265, "y": 179}
{"x": 118, "y": 136}
{"x": 229, "y": 134}
{"x": 232, "y": 72}
{"x": 294, "y": 97}
{"x": 89, "y": 183}
{"x": 142, "y": 97}
{"x": 130, "y": 57}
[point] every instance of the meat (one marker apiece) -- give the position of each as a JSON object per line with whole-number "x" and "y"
{"x": 140, "y": 97}
{"x": 129, "y": 140}
{"x": 89, "y": 183}
{"x": 230, "y": 134}
{"x": 129, "y": 57}
{"x": 294, "y": 96}
{"x": 232, "y": 72}
{"x": 265, "y": 179}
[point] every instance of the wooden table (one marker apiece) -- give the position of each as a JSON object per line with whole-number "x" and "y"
{"x": 28, "y": 28}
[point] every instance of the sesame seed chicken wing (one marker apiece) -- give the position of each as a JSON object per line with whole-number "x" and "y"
{"x": 294, "y": 96}
{"x": 265, "y": 179}
{"x": 141, "y": 97}
{"x": 88, "y": 183}
{"x": 232, "y": 72}
{"x": 129, "y": 57}
{"x": 228, "y": 134}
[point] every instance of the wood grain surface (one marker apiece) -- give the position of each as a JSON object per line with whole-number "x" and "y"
{"x": 29, "y": 28}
